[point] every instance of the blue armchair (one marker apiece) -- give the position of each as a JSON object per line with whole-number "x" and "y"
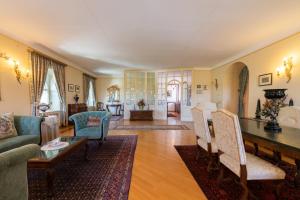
{"x": 94, "y": 133}
{"x": 29, "y": 132}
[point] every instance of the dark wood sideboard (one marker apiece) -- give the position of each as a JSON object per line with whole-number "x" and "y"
{"x": 141, "y": 115}
{"x": 76, "y": 108}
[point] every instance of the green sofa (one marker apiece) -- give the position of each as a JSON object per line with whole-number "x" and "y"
{"x": 29, "y": 132}
{"x": 93, "y": 133}
{"x": 13, "y": 172}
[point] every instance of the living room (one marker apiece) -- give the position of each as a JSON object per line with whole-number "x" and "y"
{"x": 129, "y": 100}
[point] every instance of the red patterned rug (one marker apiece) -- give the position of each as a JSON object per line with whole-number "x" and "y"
{"x": 231, "y": 190}
{"x": 105, "y": 176}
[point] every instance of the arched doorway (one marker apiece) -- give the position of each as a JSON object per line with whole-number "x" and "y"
{"x": 240, "y": 87}
{"x": 173, "y": 98}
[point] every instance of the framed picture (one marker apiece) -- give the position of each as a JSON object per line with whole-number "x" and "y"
{"x": 70, "y": 87}
{"x": 265, "y": 79}
{"x": 77, "y": 88}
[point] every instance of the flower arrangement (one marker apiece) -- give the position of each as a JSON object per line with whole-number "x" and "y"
{"x": 271, "y": 110}
{"x": 141, "y": 104}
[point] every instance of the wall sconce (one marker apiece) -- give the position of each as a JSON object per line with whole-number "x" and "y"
{"x": 286, "y": 68}
{"x": 18, "y": 69}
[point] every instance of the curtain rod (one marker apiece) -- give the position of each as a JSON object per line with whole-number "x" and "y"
{"x": 30, "y": 50}
{"x": 85, "y": 74}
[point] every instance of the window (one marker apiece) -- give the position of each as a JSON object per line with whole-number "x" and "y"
{"x": 91, "y": 97}
{"x": 50, "y": 93}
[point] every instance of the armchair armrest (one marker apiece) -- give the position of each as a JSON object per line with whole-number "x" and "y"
{"x": 29, "y": 125}
{"x": 80, "y": 121}
{"x": 105, "y": 124}
{"x": 18, "y": 155}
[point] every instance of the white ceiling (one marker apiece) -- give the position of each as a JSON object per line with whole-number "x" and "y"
{"x": 108, "y": 36}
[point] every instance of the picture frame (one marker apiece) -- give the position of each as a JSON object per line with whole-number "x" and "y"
{"x": 77, "y": 88}
{"x": 71, "y": 88}
{"x": 265, "y": 79}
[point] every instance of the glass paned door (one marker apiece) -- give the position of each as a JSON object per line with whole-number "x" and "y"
{"x": 161, "y": 96}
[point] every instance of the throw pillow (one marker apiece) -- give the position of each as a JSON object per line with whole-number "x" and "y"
{"x": 93, "y": 121}
{"x": 7, "y": 126}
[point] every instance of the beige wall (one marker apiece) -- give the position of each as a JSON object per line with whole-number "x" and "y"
{"x": 102, "y": 83}
{"x": 263, "y": 61}
{"x": 75, "y": 77}
{"x": 201, "y": 77}
{"x": 15, "y": 97}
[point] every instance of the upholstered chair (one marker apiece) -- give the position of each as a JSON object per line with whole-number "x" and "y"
{"x": 207, "y": 106}
{"x": 97, "y": 132}
{"x": 203, "y": 135}
{"x": 13, "y": 171}
{"x": 289, "y": 116}
{"x": 232, "y": 153}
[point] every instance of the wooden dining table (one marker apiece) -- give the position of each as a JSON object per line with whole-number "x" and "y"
{"x": 286, "y": 142}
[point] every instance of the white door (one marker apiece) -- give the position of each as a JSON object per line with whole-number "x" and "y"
{"x": 160, "y": 111}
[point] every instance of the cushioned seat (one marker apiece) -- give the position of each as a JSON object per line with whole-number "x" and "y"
{"x": 18, "y": 141}
{"x": 91, "y": 132}
{"x": 257, "y": 168}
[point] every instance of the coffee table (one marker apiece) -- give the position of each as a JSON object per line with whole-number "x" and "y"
{"x": 47, "y": 160}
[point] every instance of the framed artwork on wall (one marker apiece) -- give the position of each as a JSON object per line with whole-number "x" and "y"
{"x": 77, "y": 88}
{"x": 265, "y": 79}
{"x": 70, "y": 87}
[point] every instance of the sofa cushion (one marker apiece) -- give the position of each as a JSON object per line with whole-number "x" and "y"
{"x": 90, "y": 132}
{"x": 14, "y": 142}
{"x": 7, "y": 127}
{"x": 93, "y": 121}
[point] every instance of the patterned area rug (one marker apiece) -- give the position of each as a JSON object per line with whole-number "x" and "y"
{"x": 230, "y": 190}
{"x": 116, "y": 118}
{"x": 151, "y": 127}
{"x": 105, "y": 176}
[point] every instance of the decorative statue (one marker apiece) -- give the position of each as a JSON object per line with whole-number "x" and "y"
{"x": 274, "y": 101}
{"x": 258, "y": 110}
{"x": 76, "y": 98}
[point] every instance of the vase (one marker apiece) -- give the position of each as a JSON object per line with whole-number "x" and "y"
{"x": 141, "y": 107}
{"x": 274, "y": 95}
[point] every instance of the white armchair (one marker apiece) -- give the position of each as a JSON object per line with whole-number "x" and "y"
{"x": 203, "y": 135}
{"x": 289, "y": 116}
{"x": 233, "y": 156}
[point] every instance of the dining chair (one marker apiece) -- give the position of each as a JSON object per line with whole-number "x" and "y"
{"x": 203, "y": 136}
{"x": 232, "y": 155}
{"x": 289, "y": 116}
{"x": 208, "y": 106}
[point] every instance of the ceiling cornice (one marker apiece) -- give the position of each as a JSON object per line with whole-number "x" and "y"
{"x": 255, "y": 48}
{"x": 47, "y": 52}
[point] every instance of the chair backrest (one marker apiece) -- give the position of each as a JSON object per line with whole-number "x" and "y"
{"x": 289, "y": 116}
{"x": 229, "y": 137}
{"x": 200, "y": 124}
{"x": 100, "y": 106}
{"x": 207, "y": 106}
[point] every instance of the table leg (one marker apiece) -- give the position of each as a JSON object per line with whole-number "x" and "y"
{"x": 50, "y": 180}
{"x": 297, "y": 176}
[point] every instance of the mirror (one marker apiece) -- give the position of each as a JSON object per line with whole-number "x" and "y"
{"x": 113, "y": 93}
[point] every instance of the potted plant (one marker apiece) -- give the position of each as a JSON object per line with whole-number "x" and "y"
{"x": 141, "y": 104}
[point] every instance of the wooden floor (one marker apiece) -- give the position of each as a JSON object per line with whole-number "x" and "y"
{"x": 158, "y": 171}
